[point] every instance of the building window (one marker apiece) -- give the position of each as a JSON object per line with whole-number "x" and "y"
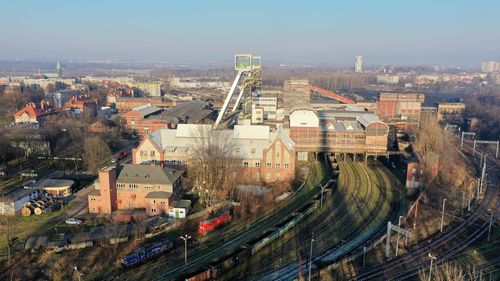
{"x": 257, "y": 164}
{"x": 277, "y": 165}
{"x": 277, "y": 154}
{"x": 152, "y": 153}
{"x": 237, "y": 150}
{"x": 253, "y": 150}
{"x": 287, "y": 165}
{"x": 245, "y": 164}
{"x": 153, "y": 210}
{"x": 269, "y": 165}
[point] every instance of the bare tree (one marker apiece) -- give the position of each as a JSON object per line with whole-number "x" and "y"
{"x": 115, "y": 229}
{"x": 428, "y": 146}
{"x": 449, "y": 272}
{"x": 96, "y": 154}
{"x": 214, "y": 165}
{"x": 141, "y": 223}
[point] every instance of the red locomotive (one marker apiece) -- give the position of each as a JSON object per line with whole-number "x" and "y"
{"x": 208, "y": 225}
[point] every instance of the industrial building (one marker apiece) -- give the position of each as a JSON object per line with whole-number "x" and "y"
{"x": 399, "y": 106}
{"x": 350, "y": 131}
{"x": 451, "y": 112}
{"x": 265, "y": 155}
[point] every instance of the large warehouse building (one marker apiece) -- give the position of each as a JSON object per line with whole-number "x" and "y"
{"x": 350, "y": 131}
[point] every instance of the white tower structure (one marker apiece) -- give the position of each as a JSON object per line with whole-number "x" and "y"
{"x": 358, "y": 64}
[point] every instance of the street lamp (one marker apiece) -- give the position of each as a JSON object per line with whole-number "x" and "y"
{"x": 442, "y": 214}
{"x": 430, "y": 268}
{"x": 397, "y": 242}
{"x": 185, "y": 238}
{"x": 322, "y": 187}
{"x": 491, "y": 222}
{"x": 310, "y": 256}
{"x": 77, "y": 273}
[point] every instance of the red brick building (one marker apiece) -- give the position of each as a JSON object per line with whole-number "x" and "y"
{"x": 84, "y": 104}
{"x": 265, "y": 155}
{"x": 359, "y": 133}
{"x": 399, "y": 106}
{"x": 32, "y": 113}
{"x": 126, "y": 187}
{"x": 415, "y": 171}
{"x": 124, "y": 104}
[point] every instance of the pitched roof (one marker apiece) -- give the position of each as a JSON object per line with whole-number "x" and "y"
{"x": 247, "y": 145}
{"x": 159, "y": 194}
{"x": 147, "y": 110}
{"x": 145, "y": 174}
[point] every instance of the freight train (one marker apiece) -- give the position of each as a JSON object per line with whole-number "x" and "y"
{"x": 232, "y": 259}
{"x": 147, "y": 253}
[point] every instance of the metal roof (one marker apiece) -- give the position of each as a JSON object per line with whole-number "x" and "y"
{"x": 159, "y": 194}
{"x": 145, "y": 174}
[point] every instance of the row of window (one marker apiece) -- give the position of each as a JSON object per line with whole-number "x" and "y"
{"x": 145, "y": 153}
{"x": 268, "y": 165}
{"x": 130, "y": 185}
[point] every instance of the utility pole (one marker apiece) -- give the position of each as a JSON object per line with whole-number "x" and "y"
{"x": 322, "y": 187}
{"x": 364, "y": 255}
{"x": 310, "y": 256}
{"x": 470, "y": 199}
{"x": 397, "y": 241}
{"x": 462, "y": 142}
{"x": 463, "y": 203}
{"x": 489, "y": 228}
{"x": 416, "y": 213}
{"x": 430, "y": 267}
{"x": 77, "y": 273}
{"x": 185, "y": 238}
{"x": 442, "y": 214}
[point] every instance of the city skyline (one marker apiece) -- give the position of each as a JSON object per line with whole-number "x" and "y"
{"x": 384, "y": 32}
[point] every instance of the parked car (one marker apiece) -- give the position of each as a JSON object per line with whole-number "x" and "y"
{"x": 73, "y": 221}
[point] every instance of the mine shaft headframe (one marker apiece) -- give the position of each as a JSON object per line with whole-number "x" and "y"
{"x": 249, "y": 75}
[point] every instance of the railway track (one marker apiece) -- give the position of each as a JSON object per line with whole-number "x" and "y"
{"x": 335, "y": 236}
{"x": 157, "y": 270}
{"x": 268, "y": 257}
{"x": 452, "y": 242}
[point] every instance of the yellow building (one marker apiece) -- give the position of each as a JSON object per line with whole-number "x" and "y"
{"x": 451, "y": 112}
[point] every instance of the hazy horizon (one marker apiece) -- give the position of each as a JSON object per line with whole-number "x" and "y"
{"x": 460, "y": 33}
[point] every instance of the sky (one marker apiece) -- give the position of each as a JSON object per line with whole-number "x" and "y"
{"x": 314, "y": 32}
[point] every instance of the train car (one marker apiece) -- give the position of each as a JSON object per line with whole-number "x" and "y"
{"x": 202, "y": 274}
{"x": 146, "y": 253}
{"x": 309, "y": 208}
{"x": 210, "y": 224}
{"x": 228, "y": 261}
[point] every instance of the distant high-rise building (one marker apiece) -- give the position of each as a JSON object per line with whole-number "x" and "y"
{"x": 358, "y": 65}
{"x": 59, "y": 70}
{"x": 491, "y": 66}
